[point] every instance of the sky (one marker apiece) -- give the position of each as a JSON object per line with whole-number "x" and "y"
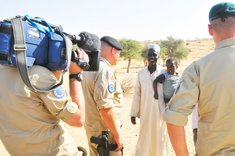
{"x": 130, "y": 19}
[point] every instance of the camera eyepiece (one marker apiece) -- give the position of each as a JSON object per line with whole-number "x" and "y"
{"x": 80, "y": 62}
{"x": 90, "y": 43}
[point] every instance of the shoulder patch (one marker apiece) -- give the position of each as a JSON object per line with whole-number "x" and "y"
{"x": 111, "y": 88}
{"x": 59, "y": 92}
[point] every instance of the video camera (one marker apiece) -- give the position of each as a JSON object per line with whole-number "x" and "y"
{"x": 90, "y": 43}
{"x": 26, "y": 41}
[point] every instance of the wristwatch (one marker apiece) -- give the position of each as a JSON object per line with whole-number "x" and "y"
{"x": 77, "y": 76}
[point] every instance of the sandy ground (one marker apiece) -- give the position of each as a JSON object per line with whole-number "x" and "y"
{"x": 130, "y": 132}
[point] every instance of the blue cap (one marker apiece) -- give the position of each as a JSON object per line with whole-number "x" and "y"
{"x": 222, "y": 10}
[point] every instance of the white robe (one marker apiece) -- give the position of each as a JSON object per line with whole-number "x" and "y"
{"x": 153, "y": 138}
{"x": 195, "y": 117}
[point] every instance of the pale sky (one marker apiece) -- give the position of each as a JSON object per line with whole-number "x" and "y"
{"x": 130, "y": 19}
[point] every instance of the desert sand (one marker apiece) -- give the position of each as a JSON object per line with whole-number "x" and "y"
{"x": 198, "y": 48}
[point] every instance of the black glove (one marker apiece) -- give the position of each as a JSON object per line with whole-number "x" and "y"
{"x": 133, "y": 120}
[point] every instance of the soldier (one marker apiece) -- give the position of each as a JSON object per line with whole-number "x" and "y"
{"x": 211, "y": 89}
{"x": 30, "y": 121}
{"x": 104, "y": 96}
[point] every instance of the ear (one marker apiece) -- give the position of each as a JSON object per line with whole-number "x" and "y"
{"x": 113, "y": 51}
{"x": 210, "y": 29}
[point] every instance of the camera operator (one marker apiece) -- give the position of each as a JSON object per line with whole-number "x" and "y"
{"x": 30, "y": 121}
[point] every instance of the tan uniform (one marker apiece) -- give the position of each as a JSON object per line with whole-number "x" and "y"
{"x": 30, "y": 122}
{"x": 101, "y": 90}
{"x": 209, "y": 81}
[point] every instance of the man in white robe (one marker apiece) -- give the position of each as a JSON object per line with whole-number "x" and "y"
{"x": 152, "y": 133}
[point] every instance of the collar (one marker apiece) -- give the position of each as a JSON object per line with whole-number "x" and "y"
{"x": 225, "y": 43}
{"x": 105, "y": 61}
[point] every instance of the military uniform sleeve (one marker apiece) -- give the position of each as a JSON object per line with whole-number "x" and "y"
{"x": 104, "y": 89}
{"x": 186, "y": 95}
{"x": 135, "y": 107}
{"x": 57, "y": 102}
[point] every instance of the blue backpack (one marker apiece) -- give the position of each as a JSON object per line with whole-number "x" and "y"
{"x": 26, "y": 41}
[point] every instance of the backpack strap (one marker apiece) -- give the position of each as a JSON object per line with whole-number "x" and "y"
{"x": 20, "y": 50}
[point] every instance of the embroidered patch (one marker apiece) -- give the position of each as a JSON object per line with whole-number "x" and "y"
{"x": 111, "y": 88}
{"x": 59, "y": 92}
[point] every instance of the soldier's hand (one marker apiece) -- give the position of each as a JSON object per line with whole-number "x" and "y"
{"x": 133, "y": 120}
{"x": 118, "y": 141}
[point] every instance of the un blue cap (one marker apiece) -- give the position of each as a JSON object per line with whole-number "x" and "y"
{"x": 222, "y": 10}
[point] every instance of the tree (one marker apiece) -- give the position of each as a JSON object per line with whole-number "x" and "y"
{"x": 131, "y": 50}
{"x": 143, "y": 54}
{"x": 172, "y": 48}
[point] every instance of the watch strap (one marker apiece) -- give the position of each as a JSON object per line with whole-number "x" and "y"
{"x": 77, "y": 76}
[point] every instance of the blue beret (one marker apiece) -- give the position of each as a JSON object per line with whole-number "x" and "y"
{"x": 112, "y": 42}
{"x": 222, "y": 10}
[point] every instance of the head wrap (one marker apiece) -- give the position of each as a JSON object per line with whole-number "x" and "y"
{"x": 155, "y": 48}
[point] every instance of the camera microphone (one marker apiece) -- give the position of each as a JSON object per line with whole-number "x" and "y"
{"x": 87, "y": 41}
{"x": 90, "y": 43}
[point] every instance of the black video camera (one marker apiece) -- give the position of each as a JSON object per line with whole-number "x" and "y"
{"x": 90, "y": 43}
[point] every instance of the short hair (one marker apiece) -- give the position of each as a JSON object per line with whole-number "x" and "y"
{"x": 227, "y": 25}
{"x": 171, "y": 60}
